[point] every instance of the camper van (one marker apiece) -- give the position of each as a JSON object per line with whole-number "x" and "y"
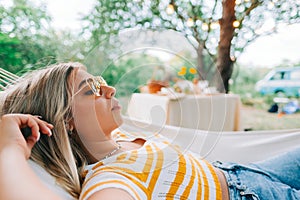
{"x": 285, "y": 81}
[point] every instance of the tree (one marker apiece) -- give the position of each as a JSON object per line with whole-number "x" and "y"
{"x": 219, "y": 29}
{"x": 24, "y": 35}
{"x": 8, "y": 54}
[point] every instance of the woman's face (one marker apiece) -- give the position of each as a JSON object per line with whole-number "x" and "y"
{"x": 94, "y": 116}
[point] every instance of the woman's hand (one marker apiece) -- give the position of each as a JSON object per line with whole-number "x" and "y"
{"x": 11, "y": 135}
{"x": 14, "y": 150}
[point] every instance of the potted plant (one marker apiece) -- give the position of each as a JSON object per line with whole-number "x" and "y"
{"x": 156, "y": 82}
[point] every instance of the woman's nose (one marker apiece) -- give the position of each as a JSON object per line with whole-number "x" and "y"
{"x": 108, "y": 91}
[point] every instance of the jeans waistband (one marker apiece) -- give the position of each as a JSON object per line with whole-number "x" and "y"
{"x": 236, "y": 188}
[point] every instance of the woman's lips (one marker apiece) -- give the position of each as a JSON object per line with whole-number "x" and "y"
{"x": 116, "y": 107}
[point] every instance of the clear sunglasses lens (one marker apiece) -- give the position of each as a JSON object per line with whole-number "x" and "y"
{"x": 100, "y": 81}
{"x": 95, "y": 86}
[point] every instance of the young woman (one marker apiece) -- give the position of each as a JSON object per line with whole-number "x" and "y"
{"x": 85, "y": 150}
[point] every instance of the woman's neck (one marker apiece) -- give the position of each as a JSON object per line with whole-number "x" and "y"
{"x": 102, "y": 150}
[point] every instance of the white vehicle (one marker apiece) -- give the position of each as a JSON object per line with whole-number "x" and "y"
{"x": 280, "y": 80}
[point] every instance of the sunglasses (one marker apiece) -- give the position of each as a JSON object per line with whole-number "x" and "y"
{"x": 95, "y": 84}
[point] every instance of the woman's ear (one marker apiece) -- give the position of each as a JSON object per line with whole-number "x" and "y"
{"x": 70, "y": 125}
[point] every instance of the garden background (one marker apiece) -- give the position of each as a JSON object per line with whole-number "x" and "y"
{"x": 125, "y": 46}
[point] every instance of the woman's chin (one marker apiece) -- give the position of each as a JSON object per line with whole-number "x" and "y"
{"x": 118, "y": 119}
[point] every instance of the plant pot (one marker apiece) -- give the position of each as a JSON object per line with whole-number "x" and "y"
{"x": 154, "y": 86}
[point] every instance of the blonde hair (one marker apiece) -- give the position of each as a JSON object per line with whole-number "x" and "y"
{"x": 47, "y": 93}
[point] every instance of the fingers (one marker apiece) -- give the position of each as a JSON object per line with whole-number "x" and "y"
{"x": 36, "y": 125}
{"x": 31, "y": 140}
{"x": 12, "y": 133}
{"x": 48, "y": 127}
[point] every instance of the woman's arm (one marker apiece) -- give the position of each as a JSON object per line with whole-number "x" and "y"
{"x": 18, "y": 181}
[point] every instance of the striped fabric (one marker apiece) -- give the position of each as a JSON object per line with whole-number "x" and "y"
{"x": 157, "y": 170}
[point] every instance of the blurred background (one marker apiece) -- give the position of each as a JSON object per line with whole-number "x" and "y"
{"x": 230, "y": 44}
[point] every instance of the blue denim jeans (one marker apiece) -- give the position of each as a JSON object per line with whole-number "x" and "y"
{"x": 275, "y": 178}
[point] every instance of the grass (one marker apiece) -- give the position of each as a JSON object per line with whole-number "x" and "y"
{"x": 258, "y": 119}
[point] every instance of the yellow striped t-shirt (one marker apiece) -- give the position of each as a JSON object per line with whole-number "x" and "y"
{"x": 158, "y": 170}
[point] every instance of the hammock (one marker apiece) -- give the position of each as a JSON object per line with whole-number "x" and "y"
{"x": 6, "y": 78}
{"x": 236, "y": 146}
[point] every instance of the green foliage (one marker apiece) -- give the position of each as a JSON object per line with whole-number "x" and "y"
{"x": 27, "y": 40}
{"x": 128, "y": 73}
{"x": 244, "y": 79}
{"x": 24, "y": 19}
{"x": 110, "y": 17}
{"x": 203, "y": 31}
{"x": 181, "y": 66}
{"x": 243, "y": 83}
{"x": 24, "y": 39}
{"x": 9, "y": 57}
{"x": 69, "y": 46}
{"x": 18, "y": 55}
